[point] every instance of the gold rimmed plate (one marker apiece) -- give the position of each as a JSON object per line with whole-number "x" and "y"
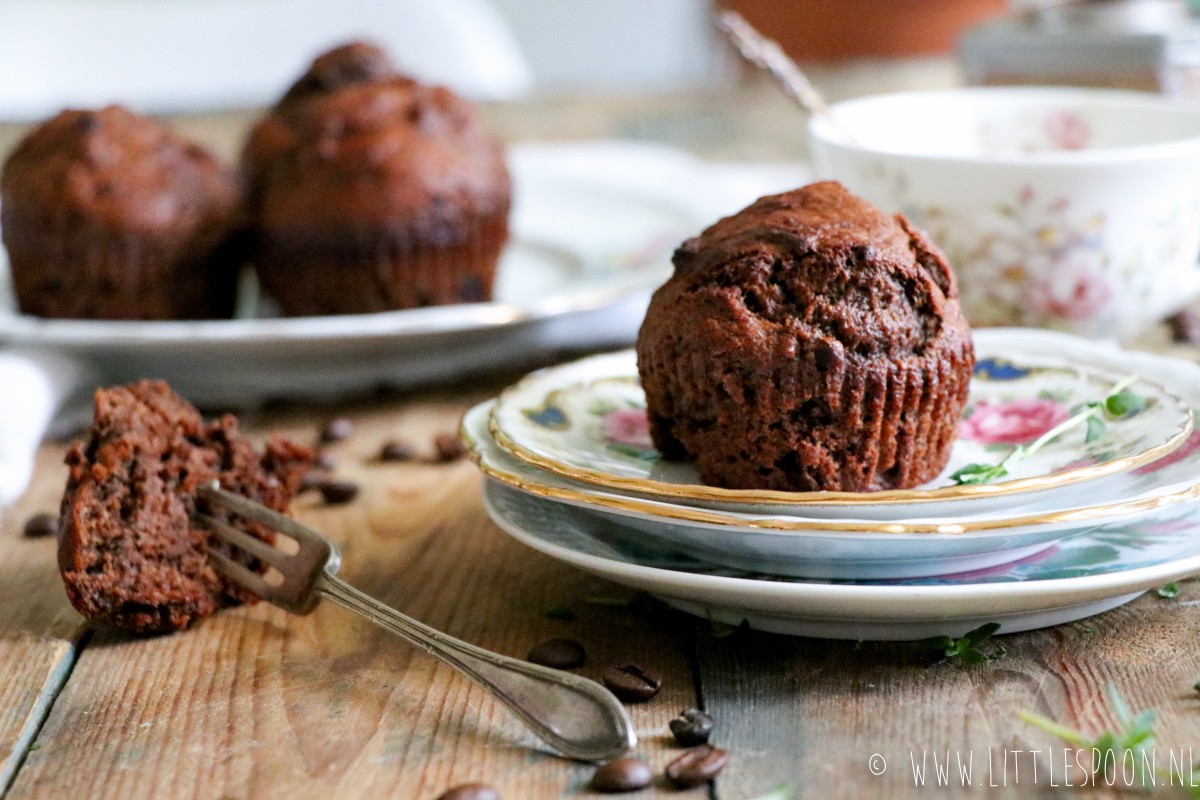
{"x": 585, "y": 421}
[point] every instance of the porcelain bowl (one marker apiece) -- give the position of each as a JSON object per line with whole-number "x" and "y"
{"x": 1074, "y": 209}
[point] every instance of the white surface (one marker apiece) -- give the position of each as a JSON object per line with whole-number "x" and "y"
{"x": 1101, "y": 240}
{"x": 177, "y": 55}
{"x": 837, "y": 611}
{"x": 618, "y": 45}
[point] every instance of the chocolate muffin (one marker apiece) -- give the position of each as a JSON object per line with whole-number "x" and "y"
{"x": 374, "y": 193}
{"x": 110, "y": 215}
{"x": 354, "y": 62}
{"x": 807, "y": 343}
{"x": 129, "y": 553}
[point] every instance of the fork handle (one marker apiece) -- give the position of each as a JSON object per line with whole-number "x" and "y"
{"x": 576, "y": 716}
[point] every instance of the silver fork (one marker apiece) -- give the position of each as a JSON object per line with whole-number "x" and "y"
{"x": 576, "y": 716}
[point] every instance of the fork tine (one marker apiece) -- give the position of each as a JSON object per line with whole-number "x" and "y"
{"x": 257, "y": 513}
{"x": 241, "y": 575}
{"x": 243, "y": 541}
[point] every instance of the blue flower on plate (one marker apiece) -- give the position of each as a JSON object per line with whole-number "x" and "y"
{"x": 548, "y": 416}
{"x": 999, "y": 369}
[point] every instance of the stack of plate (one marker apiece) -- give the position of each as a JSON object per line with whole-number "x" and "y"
{"x": 1088, "y": 522}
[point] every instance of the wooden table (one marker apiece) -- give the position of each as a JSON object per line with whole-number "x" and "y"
{"x": 254, "y": 703}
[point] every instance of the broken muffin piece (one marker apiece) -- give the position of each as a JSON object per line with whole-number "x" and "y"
{"x": 130, "y": 554}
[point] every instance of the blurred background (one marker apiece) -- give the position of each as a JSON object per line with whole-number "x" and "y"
{"x": 580, "y": 68}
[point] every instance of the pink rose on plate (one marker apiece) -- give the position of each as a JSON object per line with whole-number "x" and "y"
{"x": 1014, "y": 422}
{"x": 627, "y": 426}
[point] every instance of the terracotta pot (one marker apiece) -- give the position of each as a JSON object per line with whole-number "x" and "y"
{"x": 822, "y": 30}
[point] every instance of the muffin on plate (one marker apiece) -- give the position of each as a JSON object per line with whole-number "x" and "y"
{"x": 110, "y": 215}
{"x": 129, "y": 553}
{"x": 807, "y": 343}
{"x": 374, "y": 192}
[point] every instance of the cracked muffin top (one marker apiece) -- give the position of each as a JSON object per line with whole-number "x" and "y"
{"x": 808, "y": 342}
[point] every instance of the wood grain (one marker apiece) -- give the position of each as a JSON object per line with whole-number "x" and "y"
{"x": 254, "y": 703}
{"x": 812, "y": 713}
{"x": 38, "y": 629}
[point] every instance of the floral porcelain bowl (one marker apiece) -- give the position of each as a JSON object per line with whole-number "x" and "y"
{"x": 1075, "y": 209}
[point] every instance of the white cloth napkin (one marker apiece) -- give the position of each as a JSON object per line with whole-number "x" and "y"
{"x": 41, "y": 389}
{"x": 35, "y": 386}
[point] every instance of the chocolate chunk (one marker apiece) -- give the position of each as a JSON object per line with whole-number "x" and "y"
{"x": 338, "y": 492}
{"x": 449, "y": 447}
{"x": 41, "y": 525}
{"x": 336, "y": 430}
{"x": 396, "y": 450}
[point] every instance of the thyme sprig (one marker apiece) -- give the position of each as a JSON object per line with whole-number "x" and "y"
{"x": 1117, "y": 404}
{"x": 1134, "y": 735}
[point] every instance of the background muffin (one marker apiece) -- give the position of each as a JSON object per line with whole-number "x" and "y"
{"x": 809, "y": 342}
{"x": 375, "y": 194}
{"x": 110, "y": 215}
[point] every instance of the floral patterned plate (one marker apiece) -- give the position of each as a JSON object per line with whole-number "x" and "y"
{"x": 844, "y": 548}
{"x": 586, "y": 421}
{"x": 1075, "y": 578}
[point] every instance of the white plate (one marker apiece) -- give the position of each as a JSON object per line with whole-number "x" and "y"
{"x": 1073, "y": 579}
{"x": 586, "y": 421}
{"x": 845, "y": 548}
{"x": 584, "y": 256}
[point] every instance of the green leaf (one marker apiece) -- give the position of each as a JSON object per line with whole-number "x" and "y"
{"x": 1124, "y": 403}
{"x": 975, "y": 474}
{"x": 1095, "y": 429}
{"x": 1169, "y": 591}
{"x": 981, "y": 634}
{"x": 781, "y": 792}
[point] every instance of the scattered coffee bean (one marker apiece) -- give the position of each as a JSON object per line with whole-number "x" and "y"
{"x": 312, "y": 480}
{"x": 396, "y": 450}
{"x": 1185, "y": 326}
{"x": 697, "y": 765}
{"x": 335, "y": 430}
{"x": 449, "y": 447}
{"x": 692, "y": 727}
{"x": 632, "y": 683}
{"x": 470, "y": 791}
{"x": 623, "y": 775}
{"x": 40, "y": 525}
{"x": 558, "y": 653}
{"x": 325, "y": 461}
{"x": 337, "y": 492}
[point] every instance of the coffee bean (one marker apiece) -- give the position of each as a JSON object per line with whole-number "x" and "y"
{"x": 692, "y": 727}
{"x": 558, "y": 653}
{"x": 325, "y": 461}
{"x": 470, "y": 791}
{"x": 338, "y": 492}
{"x": 40, "y": 525}
{"x": 622, "y": 775}
{"x": 696, "y": 766}
{"x": 449, "y": 447}
{"x": 1185, "y": 326}
{"x": 396, "y": 450}
{"x": 335, "y": 430}
{"x": 311, "y": 480}
{"x": 632, "y": 683}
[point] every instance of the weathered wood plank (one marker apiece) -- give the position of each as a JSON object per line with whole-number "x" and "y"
{"x": 38, "y": 628}
{"x": 815, "y": 713}
{"x": 254, "y": 703}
